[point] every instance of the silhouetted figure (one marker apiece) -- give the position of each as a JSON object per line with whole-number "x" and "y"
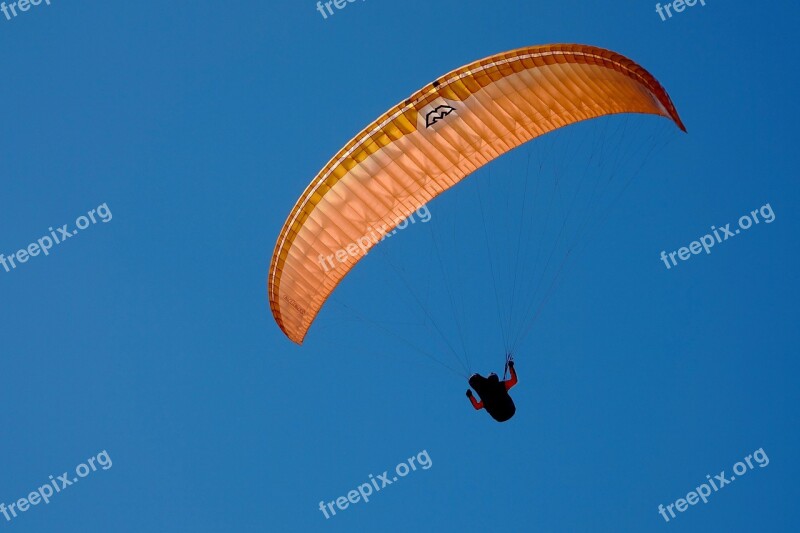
{"x": 494, "y": 394}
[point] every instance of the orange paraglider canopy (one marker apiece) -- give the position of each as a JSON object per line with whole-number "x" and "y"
{"x": 431, "y": 141}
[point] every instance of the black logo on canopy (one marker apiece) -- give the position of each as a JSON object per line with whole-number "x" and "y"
{"x": 438, "y": 114}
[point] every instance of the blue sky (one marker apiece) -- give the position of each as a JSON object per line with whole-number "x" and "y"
{"x": 150, "y": 336}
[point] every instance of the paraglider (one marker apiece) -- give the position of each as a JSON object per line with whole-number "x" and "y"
{"x": 431, "y": 141}
{"x": 494, "y": 394}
